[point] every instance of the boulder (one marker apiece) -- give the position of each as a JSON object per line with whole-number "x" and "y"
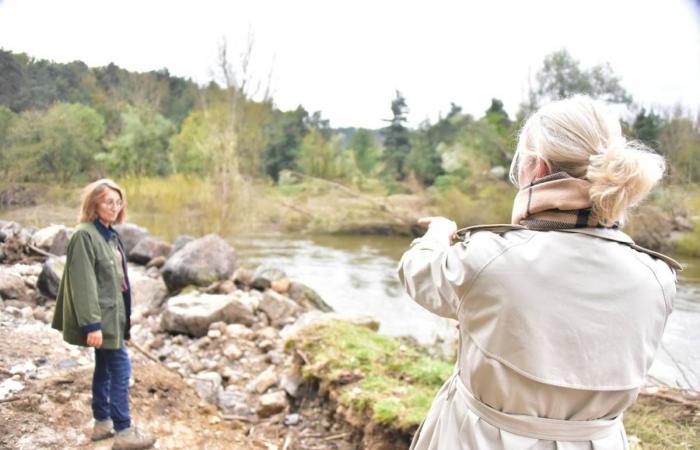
{"x": 147, "y": 293}
{"x": 180, "y": 242}
{"x": 272, "y": 403}
{"x": 265, "y": 275}
{"x": 54, "y": 239}
{"x": 130, "y": 234}
{"x": 12, "y": 286}
{"x": 200, "y": 262}
{"x": 50, "y": 276}
{"x": 149, "y": 248}
{"x": 193, "y": 313}
{"x": 278, "y": 308}
{"x": 303, "y": 294}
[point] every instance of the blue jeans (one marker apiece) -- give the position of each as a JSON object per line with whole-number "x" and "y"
{"x": 110, "y": 387}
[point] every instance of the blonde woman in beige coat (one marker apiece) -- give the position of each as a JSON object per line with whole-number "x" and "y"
{"x": 560, "y": 313}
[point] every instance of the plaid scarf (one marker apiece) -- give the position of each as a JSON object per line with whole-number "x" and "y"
{"x": 554, "y": 202}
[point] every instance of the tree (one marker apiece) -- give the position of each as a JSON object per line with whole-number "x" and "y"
{"x": 141, "y": 148}
{"x": 284, "y": 137}
{"x": 647, "y": 127}
{"x": 679, "y": 141}
{"x": 7, "y": 118}
{"x": 367, "y": 154}
{"x": 397, "y": 143}
{"x": 58, "y": 144}
{"x": 317, "y": 156}
{"x": 497, "y": 116}
{"x": 561, "y": 77}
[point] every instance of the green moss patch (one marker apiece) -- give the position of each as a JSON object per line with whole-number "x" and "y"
{"x": 392, "y": 382}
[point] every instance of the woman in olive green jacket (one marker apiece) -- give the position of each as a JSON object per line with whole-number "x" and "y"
{"x": 93, "y": 308}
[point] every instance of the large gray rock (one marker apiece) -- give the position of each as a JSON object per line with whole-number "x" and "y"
{"x": 278, "y": 308}
{"x": 180, "y": 242}
{"x": 147, "y": 293}
{"x": 200, "y": 262}
{"x": 193, "y": 313}
{"x": 54, "y": 239}
{"x": 130, "y": 234}
{"x": 50, "y": 276}
{"x": 265, "y": 275}
{"x": 149, "y": 248}
{"x": 12, "y": 286}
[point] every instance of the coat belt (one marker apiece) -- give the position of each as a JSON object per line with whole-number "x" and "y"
{"x": 532, "y": 426}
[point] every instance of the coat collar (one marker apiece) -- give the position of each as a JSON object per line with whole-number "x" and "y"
{"x": 107, "y": 232}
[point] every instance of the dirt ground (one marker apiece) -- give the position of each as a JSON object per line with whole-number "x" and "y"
{"x": 53, "y": 410}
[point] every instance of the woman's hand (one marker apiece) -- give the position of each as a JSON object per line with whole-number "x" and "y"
{"x": 94, "y": 339}
{"x": 439, "y": 226}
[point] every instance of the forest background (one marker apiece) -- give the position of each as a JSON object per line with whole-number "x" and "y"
{"x": 225, "y": 151}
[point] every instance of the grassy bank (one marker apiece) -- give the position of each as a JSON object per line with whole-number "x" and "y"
{"x": 392, "y": 383}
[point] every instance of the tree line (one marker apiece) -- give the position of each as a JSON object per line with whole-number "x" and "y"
{"x": 70, "y": 122}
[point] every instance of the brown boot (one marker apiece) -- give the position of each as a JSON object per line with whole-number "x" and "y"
{"x": 102, "y": 430}
{"x": 132, "y": 439}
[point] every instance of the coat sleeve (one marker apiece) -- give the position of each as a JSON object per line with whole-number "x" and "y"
{"x": 80, "y": 265}
{"x": 436, "y": 274}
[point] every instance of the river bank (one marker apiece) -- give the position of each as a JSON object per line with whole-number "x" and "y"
{"x": 249, "y": 376}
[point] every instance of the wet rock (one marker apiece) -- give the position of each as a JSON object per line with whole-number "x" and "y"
{"x": 12, "y": 286}
{"x": 53, "y": 239}
{"x": 50, "y": 276}
{"x": 180, "y": 242}
{"x": 130, "y": 234}
{"x": 232, "y": 352}
{"x": 265, "y": 275}
{"x": 279, "y": 309}
{"x": 200, "y": 263}
{"x": 233, "y": 402}
{"x": 272, "y": 403}
{"x": 193, "y": 313}
{"x": 303, "y": 294}
{"x": 157, "y": 262}
{"x": 207, "y": 385}
{"x": 263, "y": 381}
{"x": 148, "y": 248}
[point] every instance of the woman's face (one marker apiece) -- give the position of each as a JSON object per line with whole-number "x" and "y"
{"x": 109, "y": 206}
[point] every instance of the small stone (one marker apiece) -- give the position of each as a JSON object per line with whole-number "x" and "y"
{"x": 268, "y": 333}
{"x": 265, "y": 345}
{"x": 272, "y": 403}
{"x": 291, "y": 419}
{"x": 265, "y": 380}
{"x": 232, "y": 352}
{"x": 233, "y": 402}
{"x": 214, "y": 334}
{"x": 280, "y": 286}
{"x": 196, "y": 366}
{"x": 238, "y": 330}
{"x": 290, "y": 382}
{"x": 23, "y": 368}
{"x": 27, "y": 312}
{"x": 63, "y": 397}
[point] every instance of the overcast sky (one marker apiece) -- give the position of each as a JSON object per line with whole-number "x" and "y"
{"x": 348, "y": 58}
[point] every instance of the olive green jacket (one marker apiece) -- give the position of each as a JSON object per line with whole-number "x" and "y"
{"x": 90, "y": 296}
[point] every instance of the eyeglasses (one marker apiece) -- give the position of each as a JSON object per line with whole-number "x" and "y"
{"x": 112, "y": 204}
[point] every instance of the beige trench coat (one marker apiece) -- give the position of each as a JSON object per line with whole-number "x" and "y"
{"x": 557, "y": 332}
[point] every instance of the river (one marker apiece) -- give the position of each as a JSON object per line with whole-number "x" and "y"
{"x": 357, "y": 274}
